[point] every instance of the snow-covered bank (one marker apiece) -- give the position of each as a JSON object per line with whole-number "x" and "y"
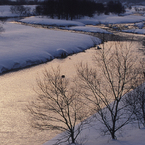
{"x": 101, "y": 19}
{"x": 63, "y": 24}
{"x": 130, "y": 135}
{"x": 87, "y": 29}
{"x": 136, "y": 31}
{"x": 50, "y": 22}
{"x": 23, "y": 46}
{"x": 111, "y": 19}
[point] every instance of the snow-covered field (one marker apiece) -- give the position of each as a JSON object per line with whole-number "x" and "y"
{"x": 129, "y": 135}
{"x": 66, "y": 25}
{"x": 112, "y": 19}
{"x": 50, "y": 22}
{"x": 101, "y": 19}
{"x": 87, "y": 29}
{"x": 23, "y": 46}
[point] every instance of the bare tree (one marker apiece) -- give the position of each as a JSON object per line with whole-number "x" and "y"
{"x": 1, "y": 29}
{"x": 105, "y": 85}
{"x": 21, "y": 10}
{"x": 58, "y": 106}
{"x": 136, "y": 104}
{"x": 136, "y": 98}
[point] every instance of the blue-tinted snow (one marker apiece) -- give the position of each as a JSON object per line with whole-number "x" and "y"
{"x": 136, "y": 31}
{"x": 88, "y": 29}
{"x": 50, "y": 22}
{"x": 23, "y": 46}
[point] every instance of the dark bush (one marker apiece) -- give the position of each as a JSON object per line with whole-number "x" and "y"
{"x": 114, "y": 7}
{"x": 100, "y": 7}
{"x": 4, "y": 2}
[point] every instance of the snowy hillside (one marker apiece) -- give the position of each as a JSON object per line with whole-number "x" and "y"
{"x": 23, "y": 46}
{"x": 50, "y": 22}
{"x": 130, "y": 135}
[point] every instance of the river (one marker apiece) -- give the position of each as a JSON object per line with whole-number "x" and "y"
{"x": 17, "y": 90}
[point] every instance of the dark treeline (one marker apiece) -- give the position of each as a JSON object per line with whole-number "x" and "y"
{"x": 114, "y": 7}
{"x": 70, "y": 9}
{"x": 19, "y": 2}
{"x": 67, "y": 8}
{"x": 127, "y": 1}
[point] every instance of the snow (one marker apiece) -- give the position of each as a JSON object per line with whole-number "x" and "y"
{"x": 128, "y": 11}
{"x": 64, "y": 24}
{"x": 137, "y": 31}
{"x": 139, "y": 25}
{"x": 92, "y": 134}
{"x": 129, "y": 135}
{"x": 50, "y": 22}
{"x": 101, "y": 19}
{"x": 111, "y": 19}
{"x": 23, "y": 46}
{"x": 139, "y": 8}
{"x": 88, "y": 29}
{"x": 5, "y": 12}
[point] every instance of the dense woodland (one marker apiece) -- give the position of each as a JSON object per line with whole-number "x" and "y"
{"x": 65, "y": 9}
{"x": 70, "y": 9}
{"x": 19, "y": 2}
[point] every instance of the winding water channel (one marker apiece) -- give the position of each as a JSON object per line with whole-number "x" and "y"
{"x": 16, "y": 91}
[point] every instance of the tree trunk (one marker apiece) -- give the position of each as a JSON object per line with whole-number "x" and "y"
{"x": 113, "y": 135}
{"x": 72, "y": 137}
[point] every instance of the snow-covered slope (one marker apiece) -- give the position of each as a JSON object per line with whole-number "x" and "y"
{"x": 88, "y": 29}
{"x": 101, "y": 19}
{"x": 130, "y": 136}
{"x": 23, "y": 46}
{"x": 50, "y": 22}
